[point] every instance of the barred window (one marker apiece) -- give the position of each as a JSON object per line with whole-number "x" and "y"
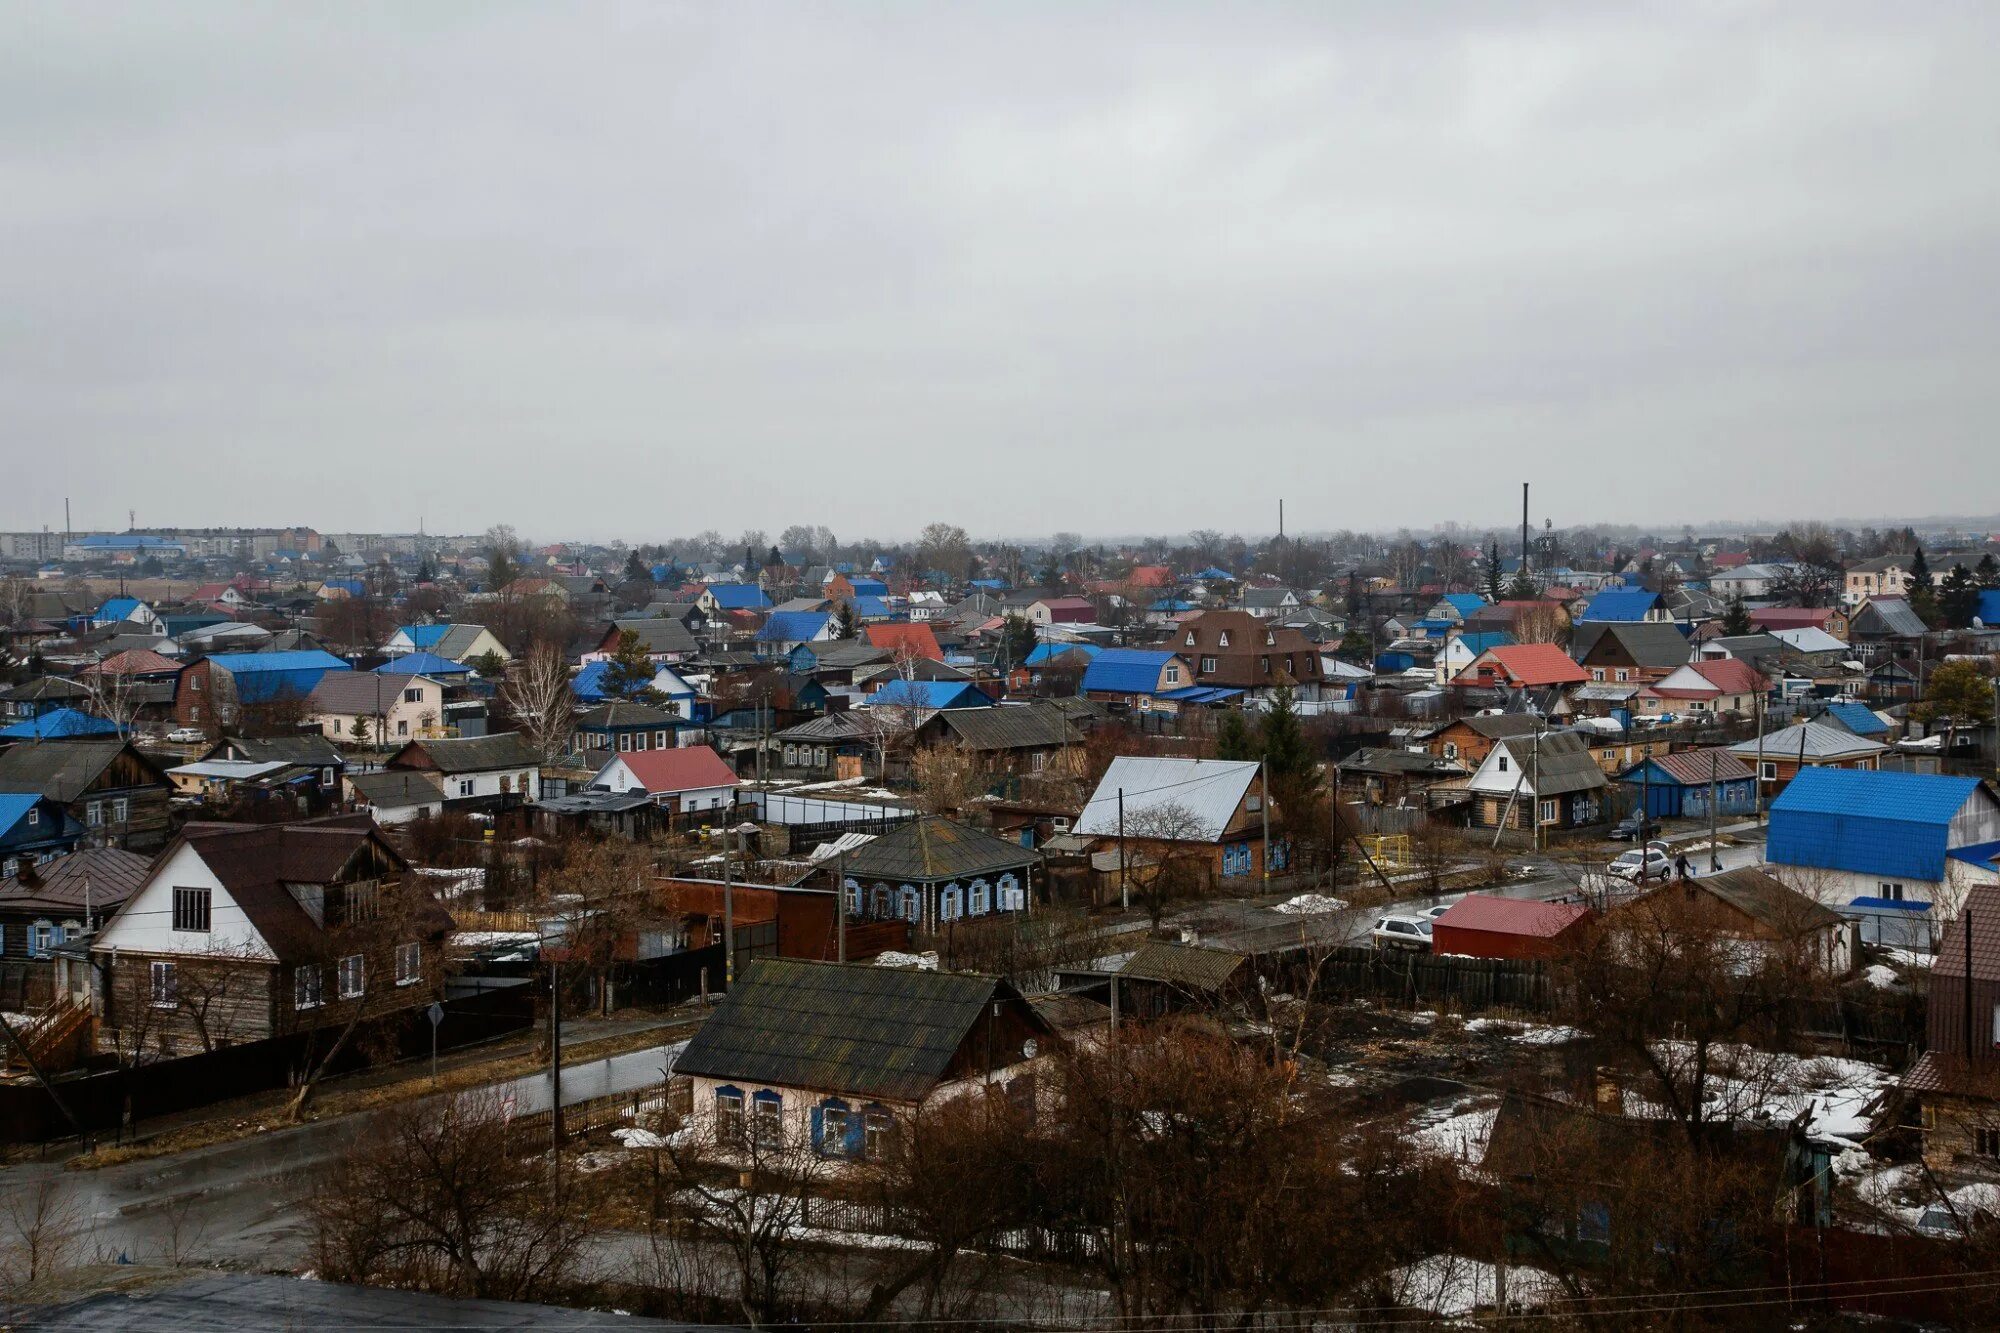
{"x": 191, "y": 909}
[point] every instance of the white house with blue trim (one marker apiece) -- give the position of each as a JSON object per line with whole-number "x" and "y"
{"x": 1886, "y": 847}
{"x": 835, "y": 1059}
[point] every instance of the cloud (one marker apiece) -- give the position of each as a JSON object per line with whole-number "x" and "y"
{"x": 634, "y": 270}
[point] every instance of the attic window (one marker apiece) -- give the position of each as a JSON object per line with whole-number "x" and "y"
{"x": 1269, "y": 638}
{"x": 1223, "y": 641}
{"x": 1190, "y": 638}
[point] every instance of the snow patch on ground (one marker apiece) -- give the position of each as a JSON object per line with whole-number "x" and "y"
{"x": 1311, "y": 903}
{"x": 1528, "y": 1034}
{"x": 633, "y": 1137}
{"x": 1454, "y": 1286}
{"x": 1881, "y": 977}
{"x": 1459, "y": 1132}
{"x": 1834, "y": 1094}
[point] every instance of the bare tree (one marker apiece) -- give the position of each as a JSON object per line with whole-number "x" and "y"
{"x": 537, "y": 695}
{"x": 111, "y": 694}
{"x": 1166, "y": 863}
{"x": 436, "y": 1196}
{"x": 40, "y": 1233}
{"x": 600, "y": 897}
{"x": 743, "y": 1185}
{"x": 946, "y": 778}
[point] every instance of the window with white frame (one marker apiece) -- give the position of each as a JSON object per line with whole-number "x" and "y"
{"x": 191, "y": 909}
{"x": 1548, "y": 812}
{"x": 465, "y": 786}
{"x": 41, "y": 939}
{"x": 353, "y": 977}
{"x": 93, "y": 814}
{"x": 1500, "y": 764}
{"x": 1768, "y": 770}
{"x": 165, "y": 988}
{"x": 121, "y": 810}
{"x": 876, "y": 1128}
{"x": 728, "y": 1115}
{"x": 767, "y": 1121}
{"x": 1208, "y": 664}
{"x": 305, "y": 986}
{"x": 409, "y": 964}
{"x": 833, "y": 1121}
{"x": 1173, "y": 675}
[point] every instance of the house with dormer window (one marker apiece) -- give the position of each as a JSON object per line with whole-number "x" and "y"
{"x": 243, "y": 932}
{"x": 1237, "y": 650}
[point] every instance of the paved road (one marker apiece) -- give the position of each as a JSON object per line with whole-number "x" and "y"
{"x": 236, "y": 1202}
{"x": 1250, "y": 926}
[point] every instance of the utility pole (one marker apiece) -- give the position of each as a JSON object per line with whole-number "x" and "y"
{"x": 1124, "y": 886}
{"x": 1535, "y": 797}
{"x": 840, "y": 909}
{"x": 1757, "y": 786}
{"x": 1264, "y": 808}
{"x": 1524, "y": 530}
{"x": 1714, "y": 852}
{"x": 555, "y": 1061}
{"x": 1645, "y": 811}
{"x": 1968, "y": 988}
{"x": 728, "y": 917}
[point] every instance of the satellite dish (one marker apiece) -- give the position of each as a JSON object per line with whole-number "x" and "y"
{"x": 1028, "y": 1049}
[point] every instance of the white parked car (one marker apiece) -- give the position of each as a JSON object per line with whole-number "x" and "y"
{"x": 1435, "y": 912}
{"x": 1402, "y": 932}
{"x": 1653, "y": 860}
{"x": 186, "y": 736}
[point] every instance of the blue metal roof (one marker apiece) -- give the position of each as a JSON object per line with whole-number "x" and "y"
{"x": 1889, "y": 905}
{"x": 58, "y": 724}
{"x": 14, "y": 807}
{"x": 739, "y": 596}
{"x": 1857, "y": 718}
{"x": 1213, "y": 573}
{"x": 424, "y": 636}
{"x": 1049, "y": 652}
{"x": 422, "y": 664}
{"x": 1199, "y": 694}
{"x": 1125, "y": 670}
{"x": 793, "y": 626}
{"x": 1485, "y": 639}
{"x": 1621, "y": 604}
{"x": 1465, "y": 603}
{"x": 262, "y": 677}
{"x": 870, "y": 607}
{"x": 1988, "y": 610}
{"x": 1893, "y": 824}
{"x": 869, "y": 587}
{"x": 1981, "y": 854}
{"x": 117, "y": 608}
{"x": 929, "y": 694}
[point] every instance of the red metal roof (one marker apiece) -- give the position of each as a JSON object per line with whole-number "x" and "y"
{"x": 1533, "y": 664}
{"x": 1513, "y": 916}
{"x": 686, "y": 769}
{"x": 899, "y": 635}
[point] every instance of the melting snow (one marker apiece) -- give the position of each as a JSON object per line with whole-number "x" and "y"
{"x": 1311, "y": 903}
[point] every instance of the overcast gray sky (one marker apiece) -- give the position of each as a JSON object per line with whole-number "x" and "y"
{"x": 633, "y": 270}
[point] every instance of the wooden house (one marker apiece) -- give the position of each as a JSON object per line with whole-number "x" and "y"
{"x": 243, "y": 932}
{"x": 114, "y": 791}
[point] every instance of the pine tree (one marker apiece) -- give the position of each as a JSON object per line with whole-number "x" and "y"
{"x": 1736, "y": 617}
{"x": 629, "y": 672}
{"x": 1958, "y": 598}
{"x": 1233, "y": 740}
{"x": 1988, "y": 573}
{"x": 1017, "y": 639}
{"x": 1493, "y": 579}
{"x": 1522, "y": 589}
{"x": 1354, "y": 646}
{"x": 843, "y": 621}
{"x": 1288, "y": 756}
{"x": 635, "y": 568}
{"x": 1920, "y": 571}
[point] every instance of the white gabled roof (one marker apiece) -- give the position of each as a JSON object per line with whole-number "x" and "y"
{"x": 1210, "y": 790}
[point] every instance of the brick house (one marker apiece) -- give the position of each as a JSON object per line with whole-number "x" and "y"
{"x": 1237, "y": 650}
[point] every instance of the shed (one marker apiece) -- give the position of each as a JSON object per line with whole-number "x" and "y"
{"x": 1481, "y": 926}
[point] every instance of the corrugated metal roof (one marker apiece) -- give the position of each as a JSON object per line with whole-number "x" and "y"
{"x": 1512, "y": 916}
{"x": 886, "y": 1032}
{"x": 793, "y": 626}
{"x": 60, "y": 724}
{"x": 1621, "y": 604}
{"x": 1208, "y": 790}
{"x": 1858, "y": 718}
{"x": 933, "y": 848}
{"x": 1188, "y": 965}
{"x": 1125, "y": 670}
{"x": 1821, "y": 742}
{"x": 1890, "y": 824}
